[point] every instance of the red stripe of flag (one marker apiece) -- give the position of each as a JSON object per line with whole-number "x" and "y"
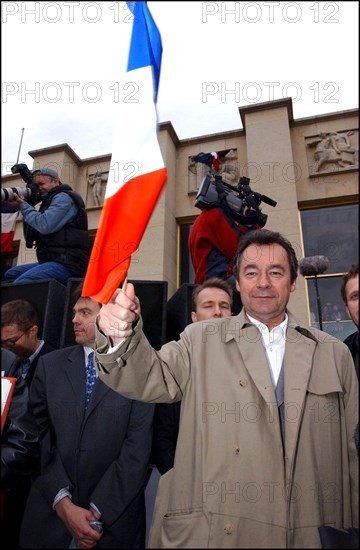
{"x": 8, "y": 231}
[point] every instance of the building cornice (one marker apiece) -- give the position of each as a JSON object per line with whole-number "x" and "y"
{"x": 56, "y": 149}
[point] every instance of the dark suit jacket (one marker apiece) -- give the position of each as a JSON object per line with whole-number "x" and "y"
{"x": 352, "y": 342}
{"x": 101, "y": 454}
{"x": 165, "y": 434}
{"x": 20, "y": 452}
{"x": 30, "y": 374}
{"x": 20, "y": 438}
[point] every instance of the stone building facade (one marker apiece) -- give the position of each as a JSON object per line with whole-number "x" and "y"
{"x": 305, "y": 165}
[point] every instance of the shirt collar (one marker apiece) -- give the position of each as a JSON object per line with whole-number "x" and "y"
{"x": 279, "y": 330}
{"x": 33, "y": 355}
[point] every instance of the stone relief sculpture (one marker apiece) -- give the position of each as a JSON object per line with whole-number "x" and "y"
{"x": 95, "y": 182}
{"x": 334, "y": 148}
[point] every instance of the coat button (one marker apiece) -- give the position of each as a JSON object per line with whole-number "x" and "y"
{"x": 243, "y": 382}
{"x": 228, "y": 528}
{"x": 236, "y": 449}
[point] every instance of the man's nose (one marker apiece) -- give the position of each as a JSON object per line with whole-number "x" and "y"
{"x": 217, "y": 311}
{"x": 263, "y": 280}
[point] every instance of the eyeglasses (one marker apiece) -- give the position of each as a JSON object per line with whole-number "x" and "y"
{"x": 11, "y": 342}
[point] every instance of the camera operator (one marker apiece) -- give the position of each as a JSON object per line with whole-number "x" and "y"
{"x": 228, "y": 213}
{"x": 213, "y": 241}
{"x": 58, "y": 231}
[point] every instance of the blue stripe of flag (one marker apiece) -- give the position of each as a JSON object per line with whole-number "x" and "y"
{"x": 145, "y": 45}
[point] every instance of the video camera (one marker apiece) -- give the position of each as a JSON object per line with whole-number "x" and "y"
{"x": 241, "y": 203}
{"x": 30, "y": 193}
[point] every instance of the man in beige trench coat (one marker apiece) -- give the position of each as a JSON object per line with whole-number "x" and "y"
{"x": 266, "y": 452}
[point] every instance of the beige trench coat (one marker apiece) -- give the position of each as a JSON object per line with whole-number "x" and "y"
{"x": 231, "y": 485}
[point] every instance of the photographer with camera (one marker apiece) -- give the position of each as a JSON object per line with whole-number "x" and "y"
{"x": 58, "y": 230}
{"x": 225, "y": 217}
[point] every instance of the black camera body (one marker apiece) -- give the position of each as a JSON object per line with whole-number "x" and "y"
{"x": 240, "y": 202}
{"x": 30, "y": 193}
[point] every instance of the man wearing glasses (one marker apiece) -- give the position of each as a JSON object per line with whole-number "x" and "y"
{"x": 19, "y": 334}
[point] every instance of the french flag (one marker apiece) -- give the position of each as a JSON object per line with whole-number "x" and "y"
{"x": 8, "y": 220}
{"x": 137, "y": 173}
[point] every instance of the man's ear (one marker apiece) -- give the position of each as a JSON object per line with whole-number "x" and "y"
{"x": 193, "y": 316}
{"x": 34, "y": 330}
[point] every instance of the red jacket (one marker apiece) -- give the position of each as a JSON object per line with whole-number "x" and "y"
{"x": 213, "y": 242}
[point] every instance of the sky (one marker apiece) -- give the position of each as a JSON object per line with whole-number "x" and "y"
{"x": 60, "y": 62}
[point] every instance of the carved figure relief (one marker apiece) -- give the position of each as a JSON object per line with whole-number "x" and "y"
{"x": 333, "y": 148}
{"x": 95, "y": 181}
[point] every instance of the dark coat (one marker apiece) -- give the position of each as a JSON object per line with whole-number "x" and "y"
{"x": 352, "y": 342}
{"x": 19, "y": 438}
{"x": 20, "y": 451}
{"x": 165, "y": 434}
{"x": 100, "y": 453}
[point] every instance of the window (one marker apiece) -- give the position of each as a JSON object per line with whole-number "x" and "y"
{"x": 331, "y": 232}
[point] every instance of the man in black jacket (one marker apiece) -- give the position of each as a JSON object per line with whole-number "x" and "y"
{"x": 58, "y": 231}
{"x": 19, "y": 450}
{"x": 350, "y": 296}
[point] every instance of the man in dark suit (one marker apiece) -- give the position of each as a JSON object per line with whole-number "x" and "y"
{"x": 19, "y": 450}
{"x": 350, "y": 296}
{"x": 19, "y": 334}
{"x": 95, "y": 454}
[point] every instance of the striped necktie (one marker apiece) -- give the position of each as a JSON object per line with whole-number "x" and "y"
{"x": 90, "y": 377}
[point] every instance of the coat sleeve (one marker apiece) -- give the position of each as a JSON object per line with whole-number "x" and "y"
{"x": 20, "y": 438}
{"x": 138, "y": 371}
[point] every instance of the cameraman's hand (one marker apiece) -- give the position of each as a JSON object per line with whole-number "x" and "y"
{"x": 16, "y": 201}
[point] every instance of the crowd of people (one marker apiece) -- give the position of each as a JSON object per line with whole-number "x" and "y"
{"x": 251, "y": 419}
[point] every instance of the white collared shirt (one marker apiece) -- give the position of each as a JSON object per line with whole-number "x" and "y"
{"x": 274, "y": 344}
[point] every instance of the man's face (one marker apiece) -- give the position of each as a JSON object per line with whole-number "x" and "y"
{"x": 211, "y": 303}
{"x": 352, "y": 298}
{"x": 264, "y": 282}
{"x": 45, "y": 183}
{"x": 85, "y": 312}
{"x": 22, "y": 343}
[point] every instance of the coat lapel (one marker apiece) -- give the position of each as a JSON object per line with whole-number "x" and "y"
{"x": 75, "y": 373}
{"x": 98, "y": 393}
{"x": 254, "y": 358}
{"x": 298, "y": 359}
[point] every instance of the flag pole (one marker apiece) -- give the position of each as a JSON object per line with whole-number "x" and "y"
{"x": 22, "y": 133}
{"x": 123, "y": 286}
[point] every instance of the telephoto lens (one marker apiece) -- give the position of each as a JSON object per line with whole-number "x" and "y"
{"x": 7, "y": 193}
